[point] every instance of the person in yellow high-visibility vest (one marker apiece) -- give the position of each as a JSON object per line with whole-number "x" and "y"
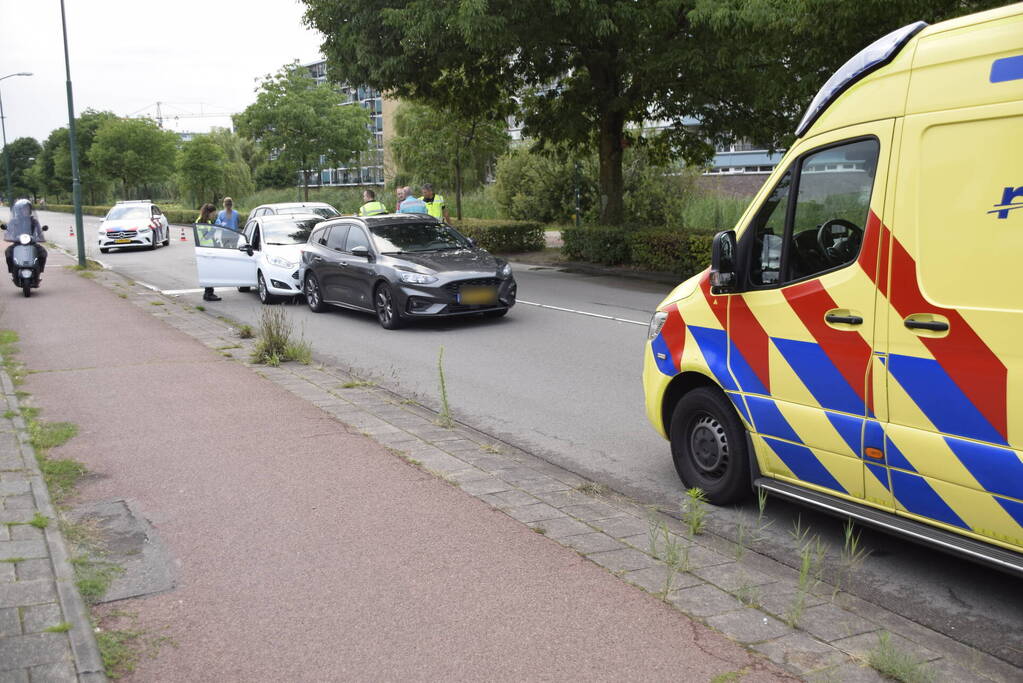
{"x": 204, "y": 232}
{"x": 371, "y": 207}
{"x": 435, "y": 205}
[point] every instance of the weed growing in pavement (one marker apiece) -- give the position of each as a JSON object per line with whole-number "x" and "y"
{"x": 157, "y": 303}
{"x": 540, "y": 530}
{"x": 13, "y": 560}
{"x": 694, "y": 510}
{"x": 748, "y": 594}
{"x": 811, "y": 566}
{"x": 889, "y": 661}
{"x": 62, "y": 627}
{"x": 357, "y": 384}
{"x": 227, "y": 347}
{"x": 89, "y": 265}
{"x": 591, "y": 488}
{"x": 653, "y": 532}
{"x": 122, "y": 295}
{"x": 61, "y": 475}
{"x": 274, "y": 344}
{"x": 444, "y": 419}
{"x": 11, "y": 414}
{"x": 200, "y": 308}
{"x": 40, "y": 521}
{"x": 490, "y": 448}
{"x": 852, "y": 558}
{"x": 93, "y": 577}
{"x": 245, "y": 332}
{"x": 730, "y": 677}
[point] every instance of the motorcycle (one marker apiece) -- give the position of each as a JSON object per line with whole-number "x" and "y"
{"x": 26, "y": 263}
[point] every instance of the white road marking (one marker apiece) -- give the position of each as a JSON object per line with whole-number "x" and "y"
{"x": 586, "y": 313}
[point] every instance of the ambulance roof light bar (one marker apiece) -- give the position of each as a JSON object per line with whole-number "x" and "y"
{"x": 869, "y": 59}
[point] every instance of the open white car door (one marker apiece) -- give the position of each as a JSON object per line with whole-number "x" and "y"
{"x": 223, "y": 257}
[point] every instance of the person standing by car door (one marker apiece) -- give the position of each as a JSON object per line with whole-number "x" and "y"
{"x": 435, "y": 205}
{"x": 206, "y": 240}
{"x": 228, "y": 218}
{"x": 371, "y": 207}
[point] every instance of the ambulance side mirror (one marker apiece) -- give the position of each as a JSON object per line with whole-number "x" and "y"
{"x": 722, "y": 262}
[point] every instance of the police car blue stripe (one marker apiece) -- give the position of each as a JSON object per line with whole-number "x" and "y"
{"x": 941, "y": 399}
{"x": 768, "y": 420}
{"x": 998, "y": 470}
{"x": 1007, "y": 69}
{"x": 820, "y": 375}
{"x": 804, "y": 464}
{"x": 917, "y": 496}
{"x": 712, "y": 345}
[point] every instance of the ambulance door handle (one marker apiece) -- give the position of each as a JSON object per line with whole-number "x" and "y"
{"x": 927, "y": 324}
{"x": 932, "y": 325}
{"x": 844, "y": 319}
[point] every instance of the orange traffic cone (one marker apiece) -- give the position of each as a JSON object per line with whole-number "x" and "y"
{"x": 183, "y": 238}
{"x": 70, "y": 231}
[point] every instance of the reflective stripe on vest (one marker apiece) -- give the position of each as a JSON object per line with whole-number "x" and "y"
{"x": 436, "y": 207}
{"x": 372, "y": 209}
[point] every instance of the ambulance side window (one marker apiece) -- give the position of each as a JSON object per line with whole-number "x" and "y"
{"x": 769, "y": 230}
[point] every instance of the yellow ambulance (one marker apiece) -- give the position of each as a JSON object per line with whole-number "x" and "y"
{"x": 857, "y": 344}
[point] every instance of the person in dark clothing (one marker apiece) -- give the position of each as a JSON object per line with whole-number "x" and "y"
{"x": 24, "y": 223}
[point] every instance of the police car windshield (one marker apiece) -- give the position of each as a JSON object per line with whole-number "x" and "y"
{"x": 288, "y": 232}
{"x": 120, "y": 213}
{"x": 416, "y": 237}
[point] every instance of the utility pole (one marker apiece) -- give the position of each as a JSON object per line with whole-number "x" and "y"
{"x": 76, "y": 181}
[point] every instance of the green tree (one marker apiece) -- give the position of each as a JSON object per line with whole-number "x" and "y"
{"x": 593, "y": 71}
{"x": 304, "y": 123}
{"x": 135, "y": 151}
{"x": 54, "y": 163}
{"x": 201, "y": 170}
{"x": 21, "y": 154}
{"x": 438, "y": 146}
{"x": 239, "y": 152}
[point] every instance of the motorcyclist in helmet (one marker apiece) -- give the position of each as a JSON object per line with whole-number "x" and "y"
{"x": 22, "y": 222}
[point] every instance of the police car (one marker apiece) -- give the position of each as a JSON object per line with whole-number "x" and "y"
{"x": 138, "y": 223}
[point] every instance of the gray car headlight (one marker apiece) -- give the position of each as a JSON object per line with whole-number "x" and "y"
{"x": 417, "y": 278}
{"x": 505, "y": 271}
{"x": 656, "y": 323}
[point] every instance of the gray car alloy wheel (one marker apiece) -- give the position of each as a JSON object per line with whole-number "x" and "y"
{"x": 383, "y": 303}
{"x": 313, "y": 296}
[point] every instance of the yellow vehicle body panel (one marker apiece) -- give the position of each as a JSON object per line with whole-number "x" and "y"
{"x": 917, "y": 409}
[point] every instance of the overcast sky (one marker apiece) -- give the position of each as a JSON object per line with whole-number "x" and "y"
{"x": 192, "y": 55}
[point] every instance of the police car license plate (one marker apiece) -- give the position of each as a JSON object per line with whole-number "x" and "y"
{"x": 477, "y": 295}
{"x": 122, "y": 241}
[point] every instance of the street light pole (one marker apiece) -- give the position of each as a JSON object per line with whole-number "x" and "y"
{"x": 3, "y": 129}
{"x": 76, "y": 181}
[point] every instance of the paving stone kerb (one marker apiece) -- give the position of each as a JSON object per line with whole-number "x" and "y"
{"x": 37, "y": 589}
{"x": 749, "y": 599}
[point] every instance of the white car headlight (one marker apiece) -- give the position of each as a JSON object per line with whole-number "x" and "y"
{"x": 417, "y": 278}
{"x": 656, "y": 323}
{"x": 145, "y": 229}
{"x": 24, "y": 238}
{"x": 505, "y": 271}
{"x": 280, "y": 262}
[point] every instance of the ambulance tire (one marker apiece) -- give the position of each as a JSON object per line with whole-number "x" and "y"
{"x": 708, "y": 445}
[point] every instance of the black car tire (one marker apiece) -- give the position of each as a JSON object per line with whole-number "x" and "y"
{"x": 708, "y": 446}
{"x": 265, "y": 297}
{"x": 383, "y": 303}
{"x": 166, "y": 238}
{"x": 496, "y": 314}
{"x": 313, "y": 294}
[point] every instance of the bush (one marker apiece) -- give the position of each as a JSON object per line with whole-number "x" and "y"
{"x": 599, "y": 244}
{"x": 680, "y": 252}
{"x": 502, "y": 235}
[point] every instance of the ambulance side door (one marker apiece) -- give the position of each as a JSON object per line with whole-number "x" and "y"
{"x": 801, "y": 335}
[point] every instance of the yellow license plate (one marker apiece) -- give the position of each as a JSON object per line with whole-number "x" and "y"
{"x": 477, "y": 295}
{"x": 122, "y": 241}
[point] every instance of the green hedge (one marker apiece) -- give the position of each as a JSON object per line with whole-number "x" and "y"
{"x": 176, "y": 216}
{"x": 680, "y": 252}
{"x": 503, "y": 236}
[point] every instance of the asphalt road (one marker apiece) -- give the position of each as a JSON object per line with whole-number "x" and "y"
{"x": 564, "y": 383}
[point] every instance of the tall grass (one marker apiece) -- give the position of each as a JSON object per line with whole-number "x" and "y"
{"x": 711, "y": 213}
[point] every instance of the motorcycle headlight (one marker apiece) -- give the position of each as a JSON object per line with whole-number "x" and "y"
{"x": 24, "y": 238}
{"x": 656, "y": 323}
{"x": 417, "y": 278}
{"x": 505, "y": 271}
{"x": 280, "y": 262}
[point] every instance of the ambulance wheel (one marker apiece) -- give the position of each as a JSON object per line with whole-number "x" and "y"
{"x": 708, "y": 445}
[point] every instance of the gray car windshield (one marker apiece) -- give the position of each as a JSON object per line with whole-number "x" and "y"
{"x": 288, "y": 232}
{"x": 410, "y": 238}
{"x": 120, "y": 213}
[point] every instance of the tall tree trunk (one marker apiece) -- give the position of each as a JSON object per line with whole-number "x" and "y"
{"x": 458, "y": 179}
{"x": 612, "y": 126}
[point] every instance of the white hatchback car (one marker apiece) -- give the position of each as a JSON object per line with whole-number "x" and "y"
{"x": 138, "y": 223}
{"x": 321, "y": 209}
{"x": 265, "y": 255}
